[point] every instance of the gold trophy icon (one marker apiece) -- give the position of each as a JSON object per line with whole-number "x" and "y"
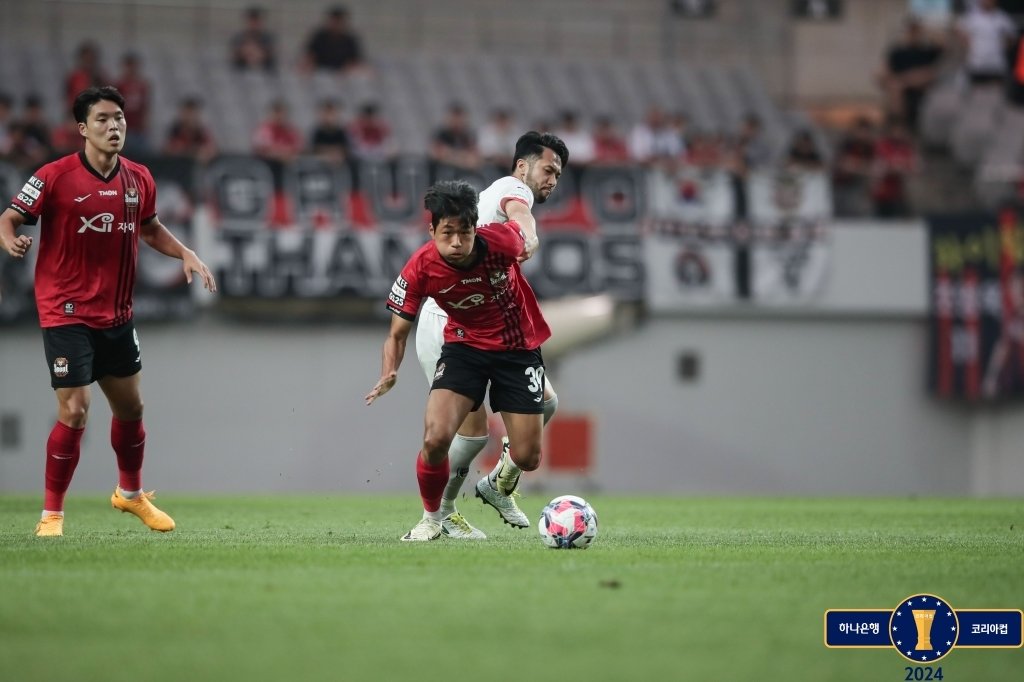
{"x": 923, "y": 620}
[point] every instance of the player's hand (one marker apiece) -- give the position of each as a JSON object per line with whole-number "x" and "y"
{"x": 191, "y": 263}
{"x": 529, "y": 248}
{"x": 19, "y": 246}
{"x": 383, "y": 386}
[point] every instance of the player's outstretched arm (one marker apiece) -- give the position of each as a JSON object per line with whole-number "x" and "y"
{"x": 160, "y": 238}
{"x": 391, "y": 357}
{"x": 520, "y": 212}
{"x": 17, "y": 245}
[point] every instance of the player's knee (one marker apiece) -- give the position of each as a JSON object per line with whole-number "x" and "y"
{"x": 129, "y": 413}
{"x": 526, "y": 458}
{"x": 435, "y": 445}
{"x": 73, "y": 412}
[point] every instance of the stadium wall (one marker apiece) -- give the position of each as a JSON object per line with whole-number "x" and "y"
{"x": 798, "y": 402}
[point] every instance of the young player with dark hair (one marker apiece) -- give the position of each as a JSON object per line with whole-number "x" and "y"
{"x": 492, "y": 338}
{"x": 538, "y": 162}
{"x": 94, "y": 206}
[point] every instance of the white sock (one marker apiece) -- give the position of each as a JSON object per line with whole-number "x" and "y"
{"x": 47, "y": 512}
{"x": 129, "y": 494}
{"x": 461, "y": 454}
{"x": 549, "y": 408}
{"x": 436, "y": 515}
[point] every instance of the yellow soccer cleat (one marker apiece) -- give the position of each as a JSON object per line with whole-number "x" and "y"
{"x": 50, "y": 526}
{"x": 144, "y": 509}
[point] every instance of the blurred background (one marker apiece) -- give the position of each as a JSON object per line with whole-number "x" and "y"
{"x": 785, "y": 257}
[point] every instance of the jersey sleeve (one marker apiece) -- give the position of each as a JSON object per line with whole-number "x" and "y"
{"x": 505, "y": 239}
{"x": 407, "y": 292}
{"x": 148, "y": 208}
{"x": 30, "y": 200}
{"x": 516, "y": 191}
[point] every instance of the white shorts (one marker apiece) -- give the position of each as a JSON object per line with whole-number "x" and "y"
{"x": 430, "y": 337}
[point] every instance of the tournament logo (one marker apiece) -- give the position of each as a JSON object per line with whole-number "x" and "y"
{"x": 60, "y": 367}
{"x": 923, "y": 629}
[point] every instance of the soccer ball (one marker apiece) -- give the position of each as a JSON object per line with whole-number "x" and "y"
{"x": 568, "y": 522}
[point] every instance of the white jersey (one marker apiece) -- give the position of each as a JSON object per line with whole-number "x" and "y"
{"x": 491, "y": 209}
{"x": 432, "y": 319}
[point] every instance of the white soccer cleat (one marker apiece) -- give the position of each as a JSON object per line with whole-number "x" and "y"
{"x": 457, "y": 527}
{"x": 426, "y": 530}
{"x": 506, "y": 481}
{"x": 504, "y": 504}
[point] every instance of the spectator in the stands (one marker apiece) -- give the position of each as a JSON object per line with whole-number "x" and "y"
{"x": 329, "y": 140}
{"x": 334, "y": 46}
{"x": 910, "y": 68}
{"x": 803, "y": 153}
{"x": 135, "y": 89}
{"x": 86, "y": 73}
{"x": 895, "y": 161}
{"x": 188, "y": 135}
{"x": 277, "y": 138}
{"x": 609, "y": 145}
{"x": 654, "y": 140}
{"x": 853, "y": 169}
{"x": 370, "y": 135}
{"x": 987, "y": 33}
{"x": 498, "y": 139}
{"x": 753, "y": 149}
{"x": 253, "y": 48}
{"x": 454, "y": 142}
{"x": 706, "y": 151}
{"x": 24, "y": 151}
{"x": 34, "y": 124}
{"x": 576, "y": 137}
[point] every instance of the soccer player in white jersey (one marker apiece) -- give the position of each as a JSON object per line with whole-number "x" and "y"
{"x": 536, "y": 166}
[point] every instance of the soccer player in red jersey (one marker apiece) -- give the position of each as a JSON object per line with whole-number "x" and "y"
{"x": 493, "y": 336}
{"x": 94, "y": 206}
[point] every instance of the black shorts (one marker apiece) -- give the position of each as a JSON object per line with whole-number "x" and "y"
{"x": 516, "y": 377}
{"x": 78, "y": 355}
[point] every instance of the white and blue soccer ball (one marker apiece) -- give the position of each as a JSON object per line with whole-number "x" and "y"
{"x": 568, "y": 522}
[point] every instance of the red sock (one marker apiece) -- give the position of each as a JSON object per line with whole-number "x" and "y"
{"x": 63, "y": 449}
{"x": 432, "y": 479}
{"x": 129, "y": 441}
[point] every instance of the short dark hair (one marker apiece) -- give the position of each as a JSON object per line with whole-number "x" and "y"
{"x": 531, "y": 145}
{"x": 451, "y": 199}
{"x": 86, "y": 98}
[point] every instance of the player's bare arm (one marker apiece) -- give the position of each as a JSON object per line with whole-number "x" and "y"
{"x": 520, "y": 212}
{"x": 17, "y": 245}
{"x": 160, "y": 238}
{"x": 391, "y": 357}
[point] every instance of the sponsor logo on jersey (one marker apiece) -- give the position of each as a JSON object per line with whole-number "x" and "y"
{"x": 35, "y": 182}
{"x": 472, "y": 280}
{"x": 445, "y": 291}
{"x": 105, "y": 223}
{"x": 471, "y": 301}
{"x": 397, "y": 295}
{"x": 60, "y": 367}
{"x": 69, "y": 308}
{"x": 25, "y": 199}
{"x": 79, "y": 200}
{"x": 108, "y": 192}
{"x": 439, "y": 372}
{"x": 30, "y": 190}
{"x": 131, "y": 197}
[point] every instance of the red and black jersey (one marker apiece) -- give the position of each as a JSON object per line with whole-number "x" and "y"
{"x": 88, "y": 240}
{"x": 490, "y": 305}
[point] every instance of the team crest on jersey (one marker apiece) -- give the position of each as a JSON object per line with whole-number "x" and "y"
{"x": 60, "y": 367}
{"x": 131, "y": 198}
{"x": 498, "y": 278}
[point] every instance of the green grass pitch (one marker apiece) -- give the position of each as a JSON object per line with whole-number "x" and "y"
{"x": 310, "y": 588}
